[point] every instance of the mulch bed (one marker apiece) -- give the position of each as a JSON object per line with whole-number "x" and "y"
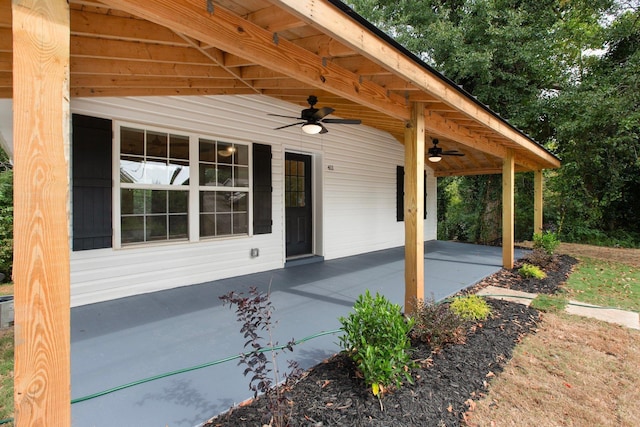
{"x": 444, "y": 385}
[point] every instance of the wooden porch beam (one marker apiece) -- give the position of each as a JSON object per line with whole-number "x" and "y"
{"x": 508, "y": 210}
{"x": 414, "y": 149}
{"x": 233, "y": 34}
{"x": 41, "y": 217}
{"x": 538, "y": 201}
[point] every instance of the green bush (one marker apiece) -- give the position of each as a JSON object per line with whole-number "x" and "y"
{"x": 471, "y": 307}
{"x": 6, "y": 223}
{"x": 547, "y": 241}
{"x": 528, "y": 270}
{"x": 376, "y": 338}
{"x": 435, "y": 324}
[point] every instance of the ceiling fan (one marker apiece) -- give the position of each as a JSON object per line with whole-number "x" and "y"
{"x": 436, "y": 153}
{"x": 313, "y": 118}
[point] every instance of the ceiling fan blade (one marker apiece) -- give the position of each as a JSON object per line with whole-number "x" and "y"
{"x": 450, "y": 151}
{"x": 288, "y": 126}
{"x": 324, "y": 129}
{"x": 288, "y": 117}
{"x": 322, "y": 112}
{"x": 343, "y": 121}
{"x": 451, "y": 154}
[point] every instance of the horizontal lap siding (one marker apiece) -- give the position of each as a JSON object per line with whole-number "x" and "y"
{"x": 358, "y": 195}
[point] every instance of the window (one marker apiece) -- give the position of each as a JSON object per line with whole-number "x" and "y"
{"x": 166, "y": 194}
{"x": 224, "y": 188}
{"x": 400, "y": 193}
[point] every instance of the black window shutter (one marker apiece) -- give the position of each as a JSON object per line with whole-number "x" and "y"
{"x": 91, "y": 180}
{"x": 262, "y": 189}
{"x": 400, "y": 193}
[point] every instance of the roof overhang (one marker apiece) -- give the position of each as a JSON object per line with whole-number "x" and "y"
{"x": 286, "y": 49}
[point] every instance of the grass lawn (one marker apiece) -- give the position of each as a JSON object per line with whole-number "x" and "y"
{"x": 6, "y": 374}
{"x": 606, "y": 283}
{"x": 575, "y": 371}
{"x": 6, "y": 365}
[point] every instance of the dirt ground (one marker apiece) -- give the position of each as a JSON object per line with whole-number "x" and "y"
{"x": 572, "y": 372}
{"x": 624, "y": 255}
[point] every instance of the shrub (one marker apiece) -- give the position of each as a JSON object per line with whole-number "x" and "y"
{"x": 435, "y": 324}
{"x": 547, "y": 241}
{"x": 539, "y": 258}
{"x": 528, "y": 270}
{"x": 471, "y": 307}
{"x": 376, "y": 338}
{"x": 254, "y": 312}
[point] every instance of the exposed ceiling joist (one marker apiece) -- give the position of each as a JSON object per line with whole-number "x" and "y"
{"x": 225, "y": 30}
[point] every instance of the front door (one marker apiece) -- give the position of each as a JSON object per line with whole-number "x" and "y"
{"x": 297, "y": 199}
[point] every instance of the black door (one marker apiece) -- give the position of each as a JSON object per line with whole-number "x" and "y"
{"x": 298, "y": 210}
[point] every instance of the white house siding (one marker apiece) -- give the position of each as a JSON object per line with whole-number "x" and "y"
{"x": 356, "y": 190}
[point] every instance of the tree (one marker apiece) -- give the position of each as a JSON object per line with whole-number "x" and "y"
{"x": 597, "y": 129}
{"x": 527, "y": 60}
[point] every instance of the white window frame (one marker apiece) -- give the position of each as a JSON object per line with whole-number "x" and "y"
{"x": 193, "y": 188}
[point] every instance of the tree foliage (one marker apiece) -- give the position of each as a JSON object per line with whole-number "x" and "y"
{"x": 529, "y": 61}
{"x": 6, "y": 216}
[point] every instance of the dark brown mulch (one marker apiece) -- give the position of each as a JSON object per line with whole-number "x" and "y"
{"x": 332, "y": 394}
{"x": 558, "y": 270}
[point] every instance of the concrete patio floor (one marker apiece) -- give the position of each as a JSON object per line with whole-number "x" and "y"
{"x": 122, "y": 341}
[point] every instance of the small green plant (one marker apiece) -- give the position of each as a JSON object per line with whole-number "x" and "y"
{"x": 435, "y": 324}
{"x": 376, "y": 338}
{"x": 470, "y": 307}
{"x": 529, "y": 270}
{"x": 549, "y": 303}
{"x": 546, "y": 241}
{"x": 254, "y": 312}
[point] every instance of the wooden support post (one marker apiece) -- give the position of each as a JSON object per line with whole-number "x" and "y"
{"x": 537, "y": 201}
{"x": 41, "y": 40}
{"x": 414, "y": 208}
{"x": 508, "y": 204}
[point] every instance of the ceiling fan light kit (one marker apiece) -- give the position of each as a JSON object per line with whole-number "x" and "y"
{"x": 311, "y": 128}
{"x": 436, "y": 153}
{"x": 313, "y": 118}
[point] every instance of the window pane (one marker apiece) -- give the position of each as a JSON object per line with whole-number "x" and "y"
{"x": 179, "y": 147}
{"x": 132, "y": 229}
{"x": 225, "y": 152}
{"x": 178, "y": 202}
{"x": 225, "y": 177}
{"x": 207, "y": 201}
{"x": 132, "y": 141}
{"x": 157, "y": 144}
{"x": 207, "y": 150}
{"x": 208, "y": 175}
{"x": 156, "y": 227}
{"x": 242, "y": 155}
{"x": 223, "y": 224}
{"x": 241, "y": 175}
{"x": 178, "y": 172}
{"x": 224, "y": 200}
{"x": 158, "y": 202}
{"x": 178, "y": 227}
{"x": 131, "y": 169}
{"x": 239, "y": 201}
{"x": 240, "y": 223}
{"x": 131, "y": 201}
{"x": 207, "y": 225}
